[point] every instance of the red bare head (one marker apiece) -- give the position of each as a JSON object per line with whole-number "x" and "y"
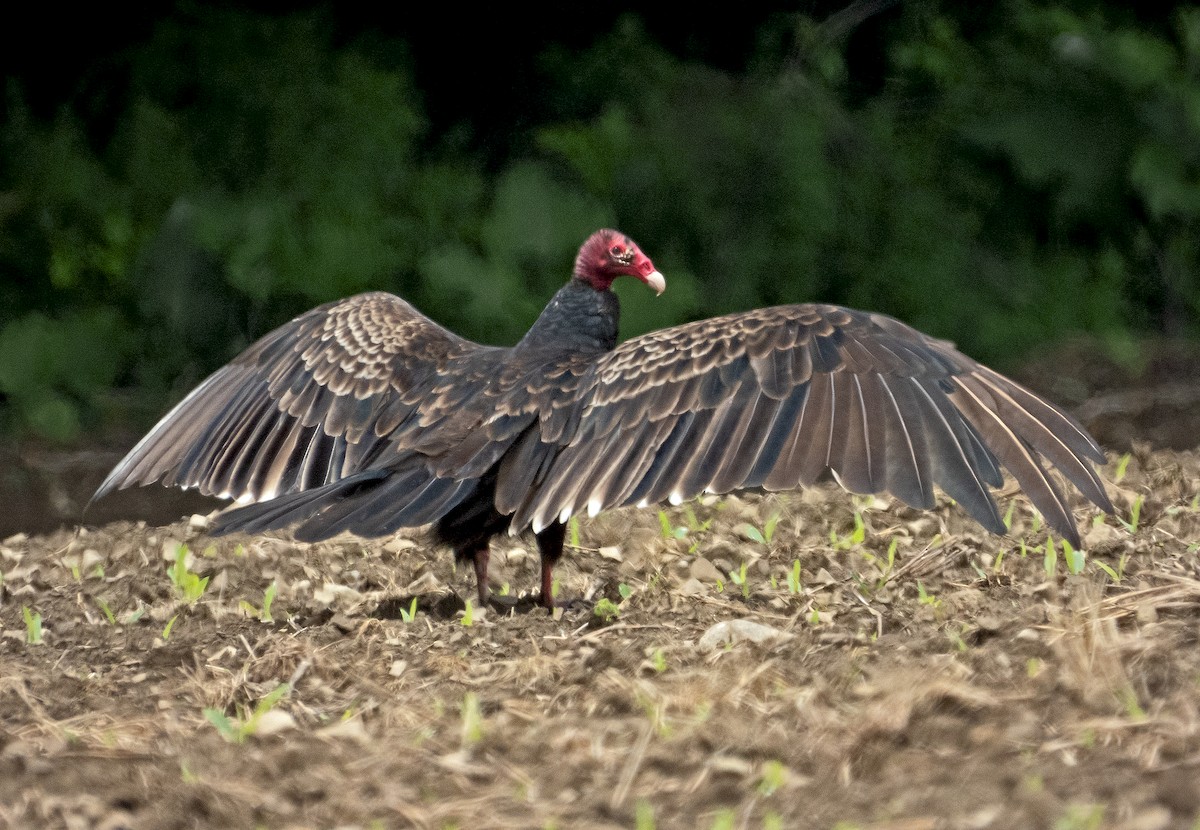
{"x": 609, "y": 254}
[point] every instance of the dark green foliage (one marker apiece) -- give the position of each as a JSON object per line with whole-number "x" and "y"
{"x": 1004, "y": 181}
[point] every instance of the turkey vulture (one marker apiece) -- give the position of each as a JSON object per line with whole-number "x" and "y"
{"x": 364, "y": 415}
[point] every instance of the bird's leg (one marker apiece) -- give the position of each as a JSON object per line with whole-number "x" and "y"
{"x": 479, "y": 558}
{"x": 550, "y": 545}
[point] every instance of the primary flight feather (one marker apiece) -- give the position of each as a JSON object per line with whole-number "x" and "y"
{"x": 363, "y": 415}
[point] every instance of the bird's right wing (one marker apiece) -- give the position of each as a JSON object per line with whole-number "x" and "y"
{"x": 310, "y": 403}
{"x": 776, "y": 397}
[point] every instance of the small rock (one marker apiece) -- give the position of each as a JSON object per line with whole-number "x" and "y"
{"x": 352, "y": 729}
{"x": 611, "y": 552}
{"x": 735, "y": 631}
{"x": 198, "y": 522}
{"x": 274, "y": 721}
{"x": 398, "y": 667}
{"x": 706, "y": 571}
{"x": 989, "y": 623}
{"x": 692, "y": 587}
{"x": 823, "y": 577}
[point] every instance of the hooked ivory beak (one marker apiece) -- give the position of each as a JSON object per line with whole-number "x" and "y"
{"x": 656, "y": 281}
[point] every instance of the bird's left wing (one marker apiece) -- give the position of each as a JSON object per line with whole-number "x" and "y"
{"x": 312, "y": 402}
{"x": 776, "y": 397}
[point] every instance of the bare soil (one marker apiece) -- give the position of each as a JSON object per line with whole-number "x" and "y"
{"x": 970, "y": 683}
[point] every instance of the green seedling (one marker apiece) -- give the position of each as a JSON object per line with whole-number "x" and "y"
{"x": 625, "y": 591}
{"x": 725, "y": 819}
{"x": 1081, "y": 817}
{"x": 763, "y": 537}
{"x": 189, "y": 586}
{"x": 1122, "y": 465}
{"x": 166, "y": 633}
{"x": 1075, "y": 559}
{"x": 411, "y": 614}
{"x": 606, "y": 609}
{"x": 658, "y": 660}
{"x": 738, "y": 578}
{"x": 246, "y": 724}
{"x": 1050, "y": 560}
{"x": 926, "y": 598}
{"x": 774, "y": 776}
{"x": 644, "y": 816}
{"x": 263, "y": 613}
{"x": 669, "y": 531}
{"x": 573, "y": 531}
{"x": 793, "y": 578}
{"x": 472, "y": 720}
{"x": 468, "y": 617}
{"x": 999, "y": 561}
{"x": 108, "y": 614}
{"x": 33, "y": 625}
{"x": 1008, "y": 514}
{"x": 1135, "y": 512}
{"x": 851, "y": 539}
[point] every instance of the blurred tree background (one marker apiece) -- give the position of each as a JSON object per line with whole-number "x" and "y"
{"x": 175, "y": 183}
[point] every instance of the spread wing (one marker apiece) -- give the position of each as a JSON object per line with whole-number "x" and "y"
{"x": 309, "y": 404}
{"x": 774, "y": 398}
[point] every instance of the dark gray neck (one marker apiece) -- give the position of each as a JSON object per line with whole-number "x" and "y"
{"x": 578, "y": 318}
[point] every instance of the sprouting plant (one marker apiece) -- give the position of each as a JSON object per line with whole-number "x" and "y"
{"x": 573, "y": 531}
{"x": 468, "y": 617}
{"x": 926, "y": 598}
{"x": 658, "y": 660}
{"x": 725, "y": 819}
{"x": 1122, "y": 464}
{"x": 606, "y": 609}
{"x": 33, "y": 625}
{"x": 625, "y": 591}
{"x": 472, "y": 719}
{"x": 887, "y": 565}
{"x": 108, "y": 614}
{"x": 188, "y": 585}
{"x": 166, "y": 632}
{"x": 1050, "y": 561}
{"x": 246, "y": 724}
{"x": 774, "y": 775}
{"x": 411, "y": 613}
{"x": 854, "y": 537}
{"x": 1081, "y": 817}
{"x": 1074, "y": 558}
{"x": 738, "y": 578}
{"x": 669, "y": 531}
{"x": 1008, "y": 514}
{"x": 1115, "y": 575}
{"x": 793, "y": 578}
{"x": 763, "y": 537}
{"x": 998, "y": 562}
{"x": 263, "y": 613}
{"x": 644, "y": 816}
{"x": 1135, "y": 512}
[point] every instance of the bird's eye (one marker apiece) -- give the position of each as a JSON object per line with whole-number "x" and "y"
{"x": 616, "y": 250}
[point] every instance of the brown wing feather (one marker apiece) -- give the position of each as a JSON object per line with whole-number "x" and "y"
{"x": 308, "y": 404}
{"x": 778, "y": 397}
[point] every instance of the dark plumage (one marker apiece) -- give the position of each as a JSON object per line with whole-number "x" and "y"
{"x": 364, "y": 415}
